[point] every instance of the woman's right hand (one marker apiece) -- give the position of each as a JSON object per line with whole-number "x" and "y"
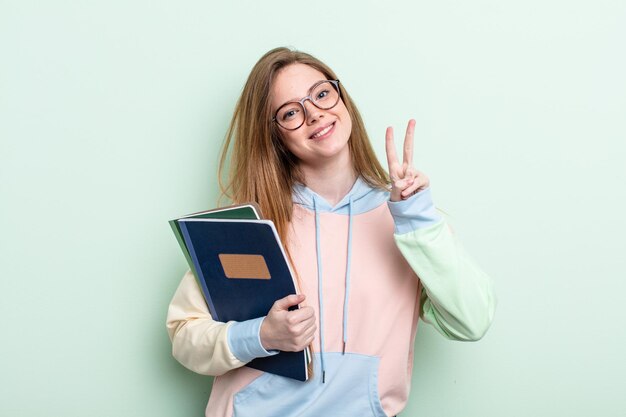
{"x": 406, "y": 181}
{"x": 290, "y": 331}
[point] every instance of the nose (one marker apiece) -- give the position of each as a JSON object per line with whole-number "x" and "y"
{"x": 313, "y": 112}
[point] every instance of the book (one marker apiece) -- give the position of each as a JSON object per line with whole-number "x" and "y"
{"x": 242, "y": 268}
{"x": 239, "y": 211}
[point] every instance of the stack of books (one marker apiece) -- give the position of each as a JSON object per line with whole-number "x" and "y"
{"x": 241, "y": 266}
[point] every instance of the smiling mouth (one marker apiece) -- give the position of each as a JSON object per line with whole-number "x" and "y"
{"x": 323, "y": 132}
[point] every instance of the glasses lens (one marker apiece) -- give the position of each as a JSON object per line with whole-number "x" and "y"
{"x": 325, "y": 95}
{"x": 290, "y": 115}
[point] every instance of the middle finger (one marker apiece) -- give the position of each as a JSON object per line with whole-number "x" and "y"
{"x": 408, "y": 143}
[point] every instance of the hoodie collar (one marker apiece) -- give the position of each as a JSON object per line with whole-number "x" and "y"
{"x": 364, "y": 198}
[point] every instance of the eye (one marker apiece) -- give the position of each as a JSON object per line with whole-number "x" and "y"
{"x": 288, "y": 114}
{"x": 322, "y": 95}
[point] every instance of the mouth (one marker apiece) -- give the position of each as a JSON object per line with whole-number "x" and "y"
{"x": 323, "y": 132}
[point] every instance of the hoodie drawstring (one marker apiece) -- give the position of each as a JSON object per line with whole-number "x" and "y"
{"x": 320, "y": 288}
{"x": 319, "y": 285}
{"x": 347, "y": 290}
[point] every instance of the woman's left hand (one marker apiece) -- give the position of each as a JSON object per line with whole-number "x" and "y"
{"x": 405, "y": 179}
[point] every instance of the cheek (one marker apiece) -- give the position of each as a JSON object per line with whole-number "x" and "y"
{"x": 289, "y": 139}
{"x": 291, "y": 142}
{"x": 349, "y": 128}
{"x": 342, "y": 112}
{"x": 347, "y": 122}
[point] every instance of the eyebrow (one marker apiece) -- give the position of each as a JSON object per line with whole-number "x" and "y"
{"x": 298, "y": 99}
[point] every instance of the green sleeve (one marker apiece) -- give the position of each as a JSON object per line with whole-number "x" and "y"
{"x": 457, "y": 296}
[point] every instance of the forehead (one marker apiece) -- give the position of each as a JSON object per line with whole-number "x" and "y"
{"x": 293, "y": 83}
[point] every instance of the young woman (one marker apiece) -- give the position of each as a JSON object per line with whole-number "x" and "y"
{"x": 370, "y": 251}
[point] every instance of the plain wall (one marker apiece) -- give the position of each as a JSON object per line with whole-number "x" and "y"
{"x": 112, "y": 115}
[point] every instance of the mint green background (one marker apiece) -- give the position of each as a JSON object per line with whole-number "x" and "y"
{"x": 111, "y": 117}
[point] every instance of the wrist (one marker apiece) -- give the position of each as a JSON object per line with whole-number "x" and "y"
{"x": 264, "y": 335}
{"x": 244, "y": 340}
{"x": 416, "y": 212}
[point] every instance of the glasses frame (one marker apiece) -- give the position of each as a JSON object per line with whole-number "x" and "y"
{"x": 335, "y": 84}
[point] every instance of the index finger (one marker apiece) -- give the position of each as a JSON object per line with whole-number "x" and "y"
{"x": 408, "y": 143}
{"x": 302, "y": 314}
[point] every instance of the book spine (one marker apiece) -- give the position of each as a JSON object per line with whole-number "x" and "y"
{"x": 198, "y": 270}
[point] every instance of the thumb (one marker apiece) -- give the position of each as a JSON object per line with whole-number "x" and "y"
{"x": 290, "y": 300}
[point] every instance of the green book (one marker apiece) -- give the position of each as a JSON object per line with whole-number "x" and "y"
{"x": 240, "y": 211}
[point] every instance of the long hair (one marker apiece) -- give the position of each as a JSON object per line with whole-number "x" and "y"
{"x": 262, "y": 169}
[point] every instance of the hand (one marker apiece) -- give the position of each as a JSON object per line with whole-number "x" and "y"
{"x": 405, "y": 179}
{"x": 286, "y": 330}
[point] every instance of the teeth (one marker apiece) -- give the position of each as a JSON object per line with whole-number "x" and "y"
{"x": 323, "y": 132}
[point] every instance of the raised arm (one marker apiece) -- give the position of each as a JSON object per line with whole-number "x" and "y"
{"x": 457, "y": 296}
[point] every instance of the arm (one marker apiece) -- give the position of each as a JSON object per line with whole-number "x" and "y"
{"x": 204, "y": 345}
{"x": 457, "y": 297}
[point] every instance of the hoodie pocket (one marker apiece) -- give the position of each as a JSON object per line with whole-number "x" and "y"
{"x": 351, "y": 389}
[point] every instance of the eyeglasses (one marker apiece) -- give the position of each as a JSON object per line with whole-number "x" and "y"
{"x": 323, "y": 95}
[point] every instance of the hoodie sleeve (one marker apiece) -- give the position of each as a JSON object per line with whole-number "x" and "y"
{"x": 457, "y": 296}
{"x": 204, "y": 345}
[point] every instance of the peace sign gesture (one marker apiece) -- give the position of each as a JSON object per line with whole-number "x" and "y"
{"x": 405, "y": 179}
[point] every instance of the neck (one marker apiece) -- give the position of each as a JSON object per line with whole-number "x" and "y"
{"x": 332, "y": 181}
